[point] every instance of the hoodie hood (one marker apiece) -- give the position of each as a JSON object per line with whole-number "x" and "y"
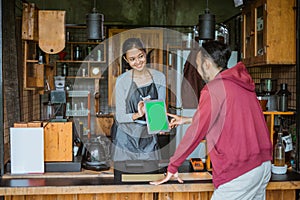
{"x": 239, "y": 75}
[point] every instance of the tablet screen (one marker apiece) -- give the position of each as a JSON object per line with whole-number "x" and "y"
{"x": 156, "y": 116}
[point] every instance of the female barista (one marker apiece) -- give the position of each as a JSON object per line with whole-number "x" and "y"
{"x": 131, "y": 140}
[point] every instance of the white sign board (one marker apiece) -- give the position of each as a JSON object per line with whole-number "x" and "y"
{"x": 27, "y": 150}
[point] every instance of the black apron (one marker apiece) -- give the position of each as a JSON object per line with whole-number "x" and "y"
{"x": 131, "y": 141}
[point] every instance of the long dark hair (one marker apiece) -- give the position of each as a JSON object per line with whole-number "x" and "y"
{"x": 130, "y": 43}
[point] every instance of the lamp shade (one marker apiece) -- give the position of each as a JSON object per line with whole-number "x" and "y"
{"x": 94, "y": 22}
{"x": 207, "y": 23}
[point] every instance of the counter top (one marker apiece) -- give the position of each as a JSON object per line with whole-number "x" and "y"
{"x": 103, "y": 182}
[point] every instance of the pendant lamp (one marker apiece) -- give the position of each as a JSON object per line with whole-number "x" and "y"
{"x": 207, "y": 23}
{"x": 94, "y": 23}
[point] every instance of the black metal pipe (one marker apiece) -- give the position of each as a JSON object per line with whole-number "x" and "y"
{"x": 1, "y": 100}
{"x": 297, "y": 85}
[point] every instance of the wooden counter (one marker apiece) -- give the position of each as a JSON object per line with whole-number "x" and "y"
{"x": 101, "y": 185}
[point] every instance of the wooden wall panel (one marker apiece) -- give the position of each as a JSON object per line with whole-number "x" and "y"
{"x": 66, "y": 197}
{"x": 270, "y": 195}
{"x": 134, "y": 196}
{"x": 185, "y": 196}
{"x": 200, "y": 195}
{"x": 281, "y": 195}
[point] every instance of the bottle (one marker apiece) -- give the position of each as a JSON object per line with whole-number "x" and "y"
{"x": 81, "y": 129}
{"x": 89, "y": 52}
{"x": 50, "y": 114}
{"x": 288, "y": 144}
{"x": 283, "y": 95}
{"x": 196, "y": 35}
{"x": 279, "y": 151}
{"x": 286, "y": 140}
{"x": 64, "y": 70}
{"x": 41, "y": 56}
{"x": 99, "y": 58}
{"x": 77, "y": 53}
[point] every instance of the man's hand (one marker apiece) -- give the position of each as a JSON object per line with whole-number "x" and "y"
{"x": 175, "y": 121}
{"x": 178, "y": 120}
{"x": 167, "y": 178}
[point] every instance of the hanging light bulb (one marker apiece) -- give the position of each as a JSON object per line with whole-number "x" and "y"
{"x": 94, "y": 23}
{"x": 207, "y": 23}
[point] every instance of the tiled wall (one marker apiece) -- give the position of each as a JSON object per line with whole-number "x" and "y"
{"x": 283, "y": 74}
{"x": 30, "y": 108}
{"x": 30, "y": 111}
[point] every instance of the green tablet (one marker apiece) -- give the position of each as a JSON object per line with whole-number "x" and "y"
{"x": 156, "y": 116}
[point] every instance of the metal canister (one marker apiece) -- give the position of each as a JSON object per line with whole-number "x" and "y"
{"x": 283, "y": 95}
{"x": 94, "y": 23}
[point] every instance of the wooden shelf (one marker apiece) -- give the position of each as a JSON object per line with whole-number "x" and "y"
{"x": 83, "y": 77}
{"x": 278, "y": 113}
{"x": 83, "y": 42}
{"x": 32, "y": 61}
{"x": 80, "y": 61}
{"x": 270, "y": 118}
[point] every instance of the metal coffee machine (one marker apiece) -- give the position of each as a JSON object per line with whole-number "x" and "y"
{"x": 58, "y": 100}
{"x": 269, "y": 88}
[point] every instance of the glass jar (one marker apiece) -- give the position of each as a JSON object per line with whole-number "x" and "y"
{"x": 97, "y": 154}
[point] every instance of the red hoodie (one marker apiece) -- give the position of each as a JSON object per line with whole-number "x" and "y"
{"x": 229, "y": 116}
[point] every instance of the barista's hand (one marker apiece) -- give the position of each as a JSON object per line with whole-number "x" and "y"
{"x": 141, "y": 108}
{"x": 167, "y": 178}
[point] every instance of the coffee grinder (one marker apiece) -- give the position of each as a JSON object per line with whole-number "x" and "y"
{"x": 58, "y": 100}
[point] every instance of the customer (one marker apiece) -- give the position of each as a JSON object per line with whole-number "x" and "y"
{"x": 231, "y": 119}
{"x": 131, "y": 139}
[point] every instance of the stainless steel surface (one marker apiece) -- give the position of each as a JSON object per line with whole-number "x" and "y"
{"x": 283, "y": 95}
{"x": 94, "y": 23}
{"x": 272, "y": 104}
{"x": 269, "y": 86}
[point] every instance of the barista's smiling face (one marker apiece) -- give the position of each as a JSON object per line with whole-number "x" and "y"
{"x": 136, "y": 58}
